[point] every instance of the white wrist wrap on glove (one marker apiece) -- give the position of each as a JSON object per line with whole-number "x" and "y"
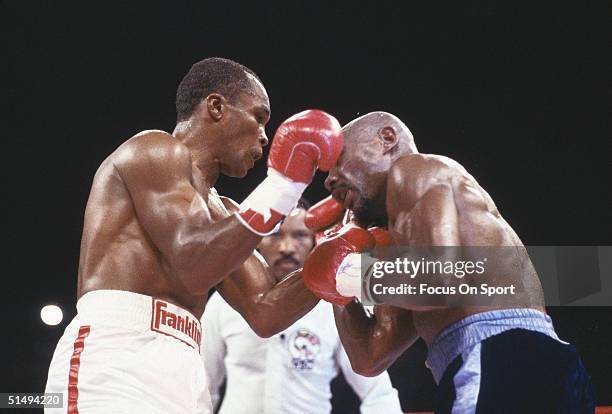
{"x": 276, "y": 192}
{"x": 348, "y": 275}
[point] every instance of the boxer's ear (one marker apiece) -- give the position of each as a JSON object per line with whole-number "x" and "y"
{"x": 388, "y": 138}
{"x": 215, "y": 104}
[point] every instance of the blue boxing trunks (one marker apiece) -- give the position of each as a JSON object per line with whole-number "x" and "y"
{"x": 507, "y": 361}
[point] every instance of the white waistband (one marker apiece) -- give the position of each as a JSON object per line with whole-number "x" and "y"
{"x": 140, "y": 312}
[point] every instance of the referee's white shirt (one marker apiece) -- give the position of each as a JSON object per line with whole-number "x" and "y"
{"x": 287, "y": 373}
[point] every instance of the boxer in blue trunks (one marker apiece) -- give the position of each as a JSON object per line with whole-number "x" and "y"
{"x": 501, "y": 356}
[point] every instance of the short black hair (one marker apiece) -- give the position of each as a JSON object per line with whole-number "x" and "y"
{"x": 214, "y": 74}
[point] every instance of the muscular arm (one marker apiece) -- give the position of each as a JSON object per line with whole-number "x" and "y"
{"x": 373, "y": 344}
{"x": 157, "y": 172}
{"x": 266, "y": 305}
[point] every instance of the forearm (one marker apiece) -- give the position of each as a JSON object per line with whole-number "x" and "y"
{"x": 266, "y": 305}
{"x": 372, "y": 344}
{"x": 355, "y": 330}
{"x": 282, "y": 305}
{"x": 205, "y": 256}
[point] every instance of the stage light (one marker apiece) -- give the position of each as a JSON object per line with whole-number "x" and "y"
{"x": 51, "y": 314}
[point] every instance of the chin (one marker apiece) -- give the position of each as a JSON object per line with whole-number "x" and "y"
{"x": 241, "y": 174}
{"x": 238, "y": 172}
{"x": 367, "y": 214}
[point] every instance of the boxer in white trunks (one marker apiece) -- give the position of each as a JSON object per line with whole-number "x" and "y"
{"x": 157, "y": 237}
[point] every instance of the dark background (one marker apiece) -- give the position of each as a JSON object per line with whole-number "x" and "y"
{"x": 516, "y": 92}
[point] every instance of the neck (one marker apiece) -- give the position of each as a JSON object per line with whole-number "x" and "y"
{"x": 203, "y": 156}
{"x": 379, "y": 201}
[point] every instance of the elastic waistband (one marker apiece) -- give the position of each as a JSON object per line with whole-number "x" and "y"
{"x": 141, "y": 313}
{"x": 467, "y": 332}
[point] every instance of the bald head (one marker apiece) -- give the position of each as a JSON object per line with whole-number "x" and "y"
{"x": 383, "y": 125}
{"x": 372, "y": 144}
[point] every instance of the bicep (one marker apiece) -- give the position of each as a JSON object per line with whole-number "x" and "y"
{"x": 245, "y": 287}
{"x": 163, "y": 197}
{"x": 163, "y": 213}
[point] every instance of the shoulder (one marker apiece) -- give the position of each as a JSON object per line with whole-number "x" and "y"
{"x": 152, "y": 157}
{"x": 412, "y": 176}
{"x": 152, "y": 147}
{"x": 417, "y": 166}
{"x": 419, "y": 172}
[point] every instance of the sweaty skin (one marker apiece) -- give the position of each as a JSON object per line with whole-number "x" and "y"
{"x": 154, "y": 224}
{"x": 427, "y": 200}
{"x": 433, "y": 201}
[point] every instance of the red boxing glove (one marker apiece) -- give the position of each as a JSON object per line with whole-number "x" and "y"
{"x": 302, "y": 143}
{"x": 324, "y": 214}
{"x": 324, "y": 218}
{"x": 308, "y": 140}
{"x": 384, "y": 241}
{"x": 382, "y": 236}
{"x": 324, "y": 262}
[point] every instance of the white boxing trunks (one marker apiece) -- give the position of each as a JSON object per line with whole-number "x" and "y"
{"x": 129, "y": 353}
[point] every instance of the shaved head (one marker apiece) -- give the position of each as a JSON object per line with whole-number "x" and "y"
{"x": 377, "y": 123}
{"x": 372, "y": 143}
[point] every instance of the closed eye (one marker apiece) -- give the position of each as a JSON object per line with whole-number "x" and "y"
{"x": 301, "y": 234}
{"x": 262, "y": 115}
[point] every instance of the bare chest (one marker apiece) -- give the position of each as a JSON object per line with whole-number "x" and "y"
{"x": 209, "y": 198}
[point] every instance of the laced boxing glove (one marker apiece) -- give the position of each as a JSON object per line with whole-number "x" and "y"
{"x": 328, "y": 262}
{"x": 348, "y": 265}
{"x": 324, "y": 218}
{"x": 306, "y": 141}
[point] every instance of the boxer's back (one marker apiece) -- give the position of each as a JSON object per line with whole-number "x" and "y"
{"x": 116, "y": 252}
{"x": 479, "y": 225}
